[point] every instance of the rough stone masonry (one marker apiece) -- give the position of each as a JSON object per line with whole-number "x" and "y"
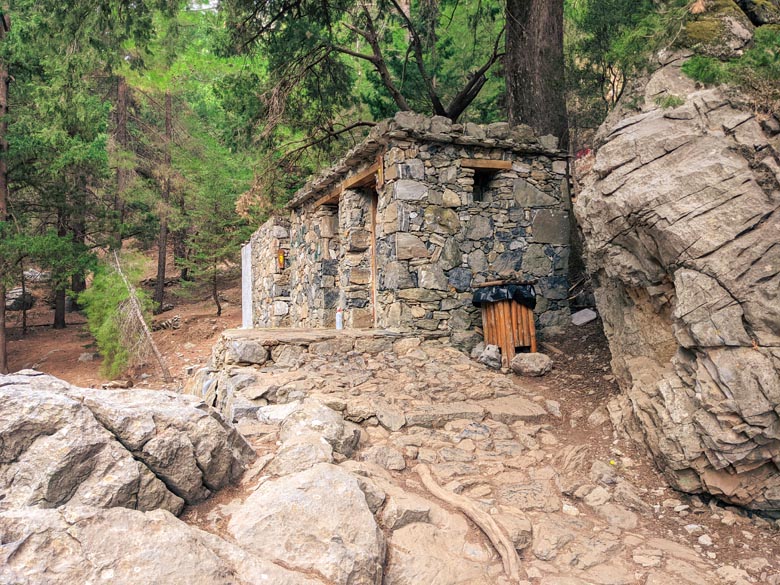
{"x": 399, "y": 233}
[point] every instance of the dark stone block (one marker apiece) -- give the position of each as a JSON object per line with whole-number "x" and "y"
{"x": 460, "y": 279}
{"x": 330, "y": 267}
{"x": 504, "y": 237}
{"x": 509, "y": 263}
{"x": 331, "y": 298}
{"x": 551, "y": 226}
{"x": 554, "y": 287}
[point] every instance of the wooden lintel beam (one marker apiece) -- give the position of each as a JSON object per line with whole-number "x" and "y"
{"x": 361, "y": 179}
{"x": 485, "y": 163}
{"x": 330, "y": 198}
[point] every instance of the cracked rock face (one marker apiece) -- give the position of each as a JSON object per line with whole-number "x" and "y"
{"x": 680, "y": 217}
{"x": 138, "y": 449}
{"x": 80, "y": 544}
{"x": 314, "y": 520}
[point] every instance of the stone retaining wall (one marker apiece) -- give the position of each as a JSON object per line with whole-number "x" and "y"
{"x": 436, "y": 226}
{"x": 271, "y": 283}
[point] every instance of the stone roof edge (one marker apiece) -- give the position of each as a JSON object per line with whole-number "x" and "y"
{"x": 519, "y": 139}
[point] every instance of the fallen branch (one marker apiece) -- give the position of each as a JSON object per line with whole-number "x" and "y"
{"x": 498, "y": 538}
{"x": 141, "y": 322}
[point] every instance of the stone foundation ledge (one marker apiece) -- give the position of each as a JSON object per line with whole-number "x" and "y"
{"x": 250, "y": 368}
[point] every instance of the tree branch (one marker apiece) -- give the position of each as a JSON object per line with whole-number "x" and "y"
{"x": 477, "y": 80}
{"x": 438, "y": 107}
{"x": 379, "y": 63}
{"x": 370, "y": 58}
{"x": 329, "y": 134}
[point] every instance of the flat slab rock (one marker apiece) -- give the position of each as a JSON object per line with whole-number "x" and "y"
{"x": 511, "y": 409}
{"x": 436, "y": 415}
{"x": 79, "y": 544}
{"x": 424, "y": 553}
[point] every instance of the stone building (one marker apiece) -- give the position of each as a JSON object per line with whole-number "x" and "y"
{"x": 401, "y": 231}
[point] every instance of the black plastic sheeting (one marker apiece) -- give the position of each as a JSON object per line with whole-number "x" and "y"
{"x": 525, "y": 294}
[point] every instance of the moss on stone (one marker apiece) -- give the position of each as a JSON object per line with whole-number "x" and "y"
{"x": 723, "y": 7}
{"x": 721, "y": 32}
{"x": 704, "y": 31}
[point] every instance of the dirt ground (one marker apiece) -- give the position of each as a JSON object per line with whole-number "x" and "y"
{"x": 58, "y": 352}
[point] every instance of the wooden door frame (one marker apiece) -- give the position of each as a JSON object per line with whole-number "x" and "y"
{"x": 373, "y": 211}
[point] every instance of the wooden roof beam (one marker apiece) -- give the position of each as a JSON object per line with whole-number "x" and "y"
{"x": 332, "y": 197}
{"x": 362, "y": 179}
{"x": 486, "y": 164}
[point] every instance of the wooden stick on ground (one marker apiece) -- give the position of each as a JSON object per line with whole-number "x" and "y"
{"x": 498, "y": 538}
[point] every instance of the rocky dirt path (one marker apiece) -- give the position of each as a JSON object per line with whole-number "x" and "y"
{"x": 380, "y": 459}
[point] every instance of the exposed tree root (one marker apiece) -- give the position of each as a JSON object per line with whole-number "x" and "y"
{"x": 498, "y": 537}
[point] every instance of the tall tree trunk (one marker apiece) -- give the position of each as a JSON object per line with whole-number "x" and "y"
{"x": 78, "y": 231}
{"x": 5, "y": 25}
{"x": 215, "y": 290}
{"x": 60, "y": 290}
{"x": 123, "y": 140}
{"x": 180, "y": 252}
{"x": 159, "y": 291}
{"x": 533, "y": 66}
{"x": 24, "y": 297}
{"x": 180, "y": 237}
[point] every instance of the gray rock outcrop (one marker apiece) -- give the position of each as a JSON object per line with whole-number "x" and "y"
{"x": 680, "y": 217}
{"x": 531, "y": 364}
{"x": 314, "y": 520}
{"x": 80, "y": 544}
{"x": 139, "y": 449}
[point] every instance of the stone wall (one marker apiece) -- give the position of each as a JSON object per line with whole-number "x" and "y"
{"x": 271, "y": 283}
{"x": 355, "y": 274}
{"x": 438, "y": 225}
{"x": 315, "y": 252}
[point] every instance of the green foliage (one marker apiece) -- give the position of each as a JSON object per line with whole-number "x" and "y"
{"x": 329, "y": 65}
{"x": 104, "y": 302}
{"x": 705, "y": 69}
{"x": 756, "y": 72}
{"x": 669, "y": 101}
{"x": 61, "y": 255}
{"x": 607, "y": 43}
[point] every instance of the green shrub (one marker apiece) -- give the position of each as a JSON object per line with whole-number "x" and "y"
{"x": 105, "y": 306}
{"x": 756, "y": 73}
{"x": 669, "y": 101}
{"x": 705, "y": 69}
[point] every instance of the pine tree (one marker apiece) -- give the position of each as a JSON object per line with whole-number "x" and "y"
{"x": 534, "y": 66}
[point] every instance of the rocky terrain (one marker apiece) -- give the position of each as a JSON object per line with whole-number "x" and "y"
{"x": 679, "y": 212}
{"x": 452, "y": 460}
{"x": 374, "y": 459}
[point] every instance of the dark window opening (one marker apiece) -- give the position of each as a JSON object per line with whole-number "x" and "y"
{"x": 482, "y": 179}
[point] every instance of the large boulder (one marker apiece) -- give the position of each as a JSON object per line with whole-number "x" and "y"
{"x": 315, "y": 520}
{"x": 140, "y": 449}
{"x": 80, "y": 544}
{"x": 680, "y": 217}
{"x": 17, "y": 299}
